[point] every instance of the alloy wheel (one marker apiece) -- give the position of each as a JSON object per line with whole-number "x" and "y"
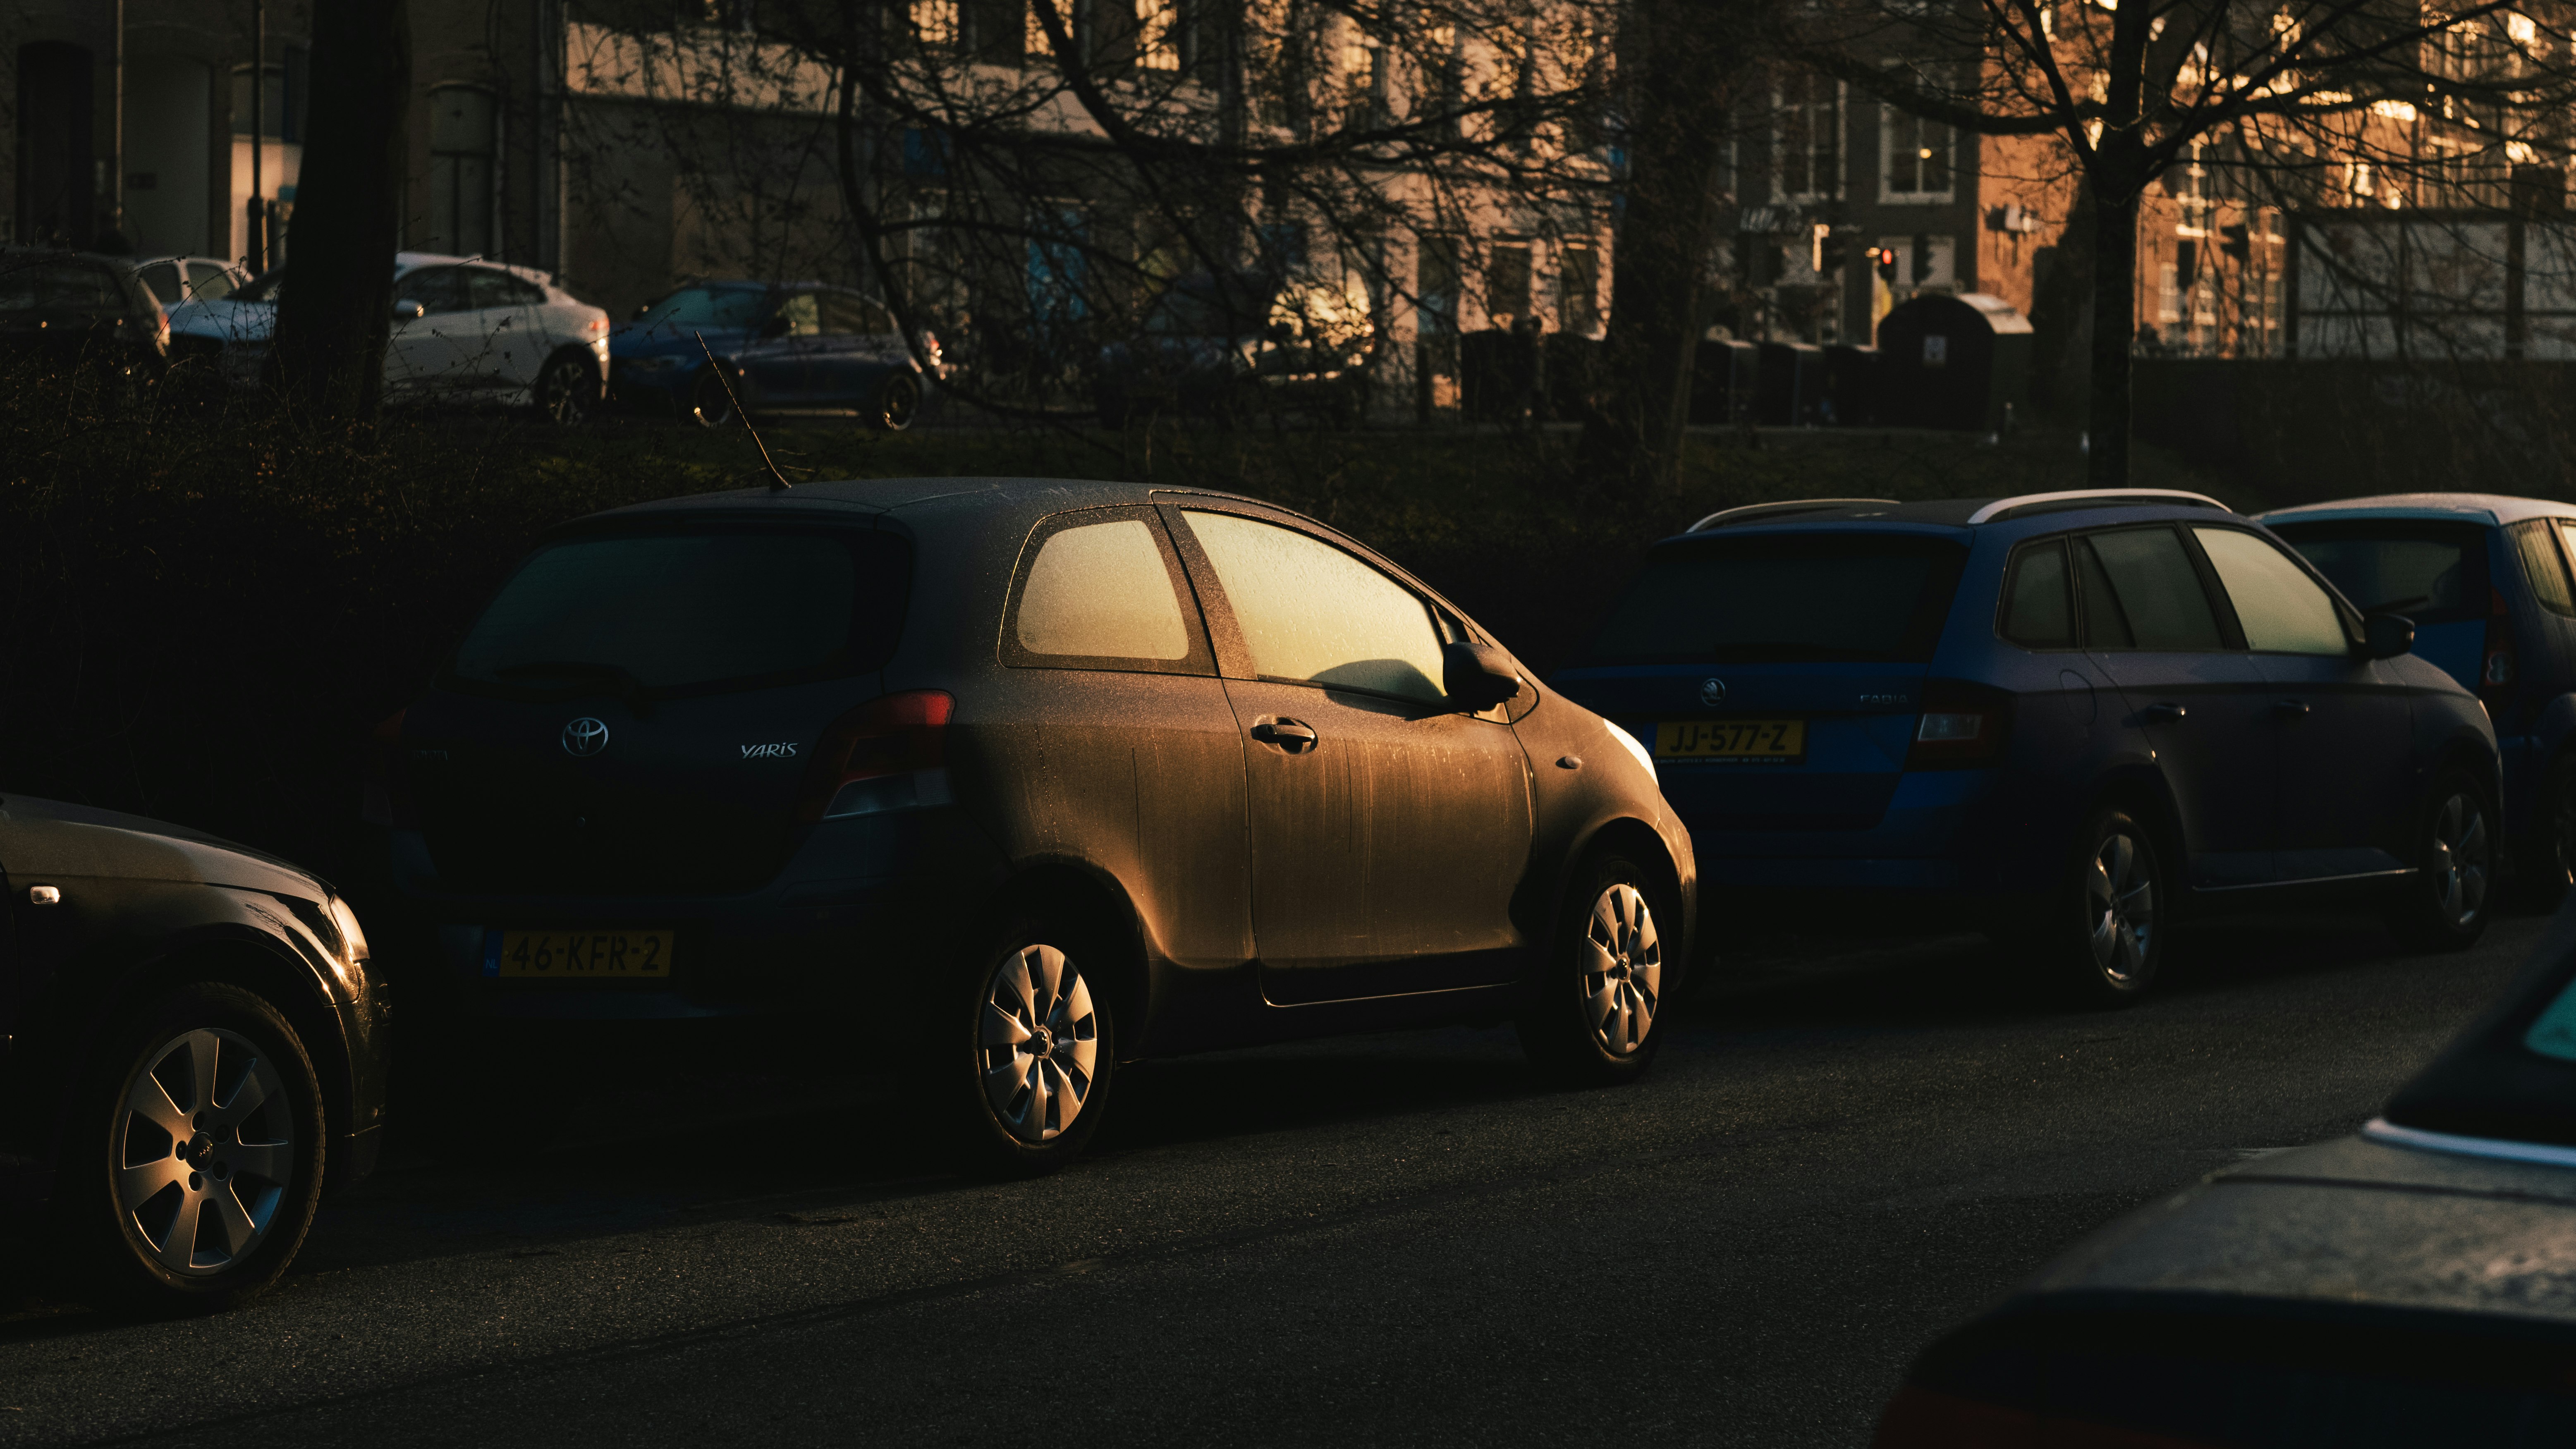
{"x": 562, "y": 393}
{"x": 1039, "y": 1043}
{"x": 205, "y": 1149}
{"x": 2457, "y": 864}
{"x": 1623, "y": 969}
{"x": 2120, "y": 908}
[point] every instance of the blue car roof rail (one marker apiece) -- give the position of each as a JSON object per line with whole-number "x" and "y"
{"x": 2003, "y": 508}
{"x": 1755, "y": 512}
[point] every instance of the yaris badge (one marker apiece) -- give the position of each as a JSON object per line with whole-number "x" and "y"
{"x": 1711, "y": 691}
{"x": 585, "y": 737}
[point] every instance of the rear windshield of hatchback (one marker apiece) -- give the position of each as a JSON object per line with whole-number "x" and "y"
{"x": 2433, "y": 573}
{"x": 692, "y": 611}
{"x": 1818, "y": 596}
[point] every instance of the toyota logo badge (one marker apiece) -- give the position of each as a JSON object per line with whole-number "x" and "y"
{"x": 1711, "y": 691}
{"x": 585, "y": 737}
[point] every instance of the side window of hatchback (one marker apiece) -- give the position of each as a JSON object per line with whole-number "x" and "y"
{"x": 2140, "y": 591}
{"x": 1313, "y": 614}
{"x": 2543, "y": 567}
{"x": 2039, "y": 602}
{"x": 1103, "y": 590}
{"x": 2279, "y": 607}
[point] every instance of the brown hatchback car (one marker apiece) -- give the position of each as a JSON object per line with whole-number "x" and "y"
{"x": 1028, "y": 778}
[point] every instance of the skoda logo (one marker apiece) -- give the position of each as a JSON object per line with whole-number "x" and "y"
{"x": 585, "y": 737}
{"x": 1711, "y": 691}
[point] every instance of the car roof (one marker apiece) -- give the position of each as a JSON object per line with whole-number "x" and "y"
{"x": 414, "y": 261}
{"x": 916, "y": 495}
{"x": 1958, "y": 513}
{"x": 2493, "y": 508}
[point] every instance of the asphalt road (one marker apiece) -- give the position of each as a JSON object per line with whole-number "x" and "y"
{"x": 1396, "y": 1239}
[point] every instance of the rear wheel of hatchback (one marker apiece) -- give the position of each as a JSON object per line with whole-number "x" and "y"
{"x": 1021, "y": 1068}
{"x": 2099, "y": 939}
{"x": 194, "y": 1162}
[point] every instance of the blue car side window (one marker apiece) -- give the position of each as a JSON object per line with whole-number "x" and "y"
{"x": 2039, "y": 607}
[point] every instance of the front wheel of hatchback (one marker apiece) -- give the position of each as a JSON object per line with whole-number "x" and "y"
{"x": 1025, "y": 1068}
{"x": 195, "y": 1160}
{"x": 2549, "y": 866}
{"x": 710, "y": 405}
{"x": 2103, "y": 939}
{"x": 2442, "y": 906}
{"x": 1600, "y": 993}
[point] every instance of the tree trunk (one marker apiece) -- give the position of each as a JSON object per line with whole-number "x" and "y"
{"x": 335, "y": 315}
{"x": 2115, "y": 323}
{"x": 1632, "y": 439}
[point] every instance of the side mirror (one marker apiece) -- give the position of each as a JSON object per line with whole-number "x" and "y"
{"x": 2385, "y": 636}
{"x": 775, "y": 327}
{"x": 1476, "y": 677}
{"x": 408, "y": 310}
{"x": 640, "y": 309}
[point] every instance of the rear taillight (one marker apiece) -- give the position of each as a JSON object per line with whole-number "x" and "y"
{"x": 597, "y": 326}
{"x": 385, "y": 796}
{"x": 2496, "y": 662}
{"x": 1962, "y": 726}
{"x": 888, "y": 754}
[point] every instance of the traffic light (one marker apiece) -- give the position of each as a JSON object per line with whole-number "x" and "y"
{"x": 1922, "y": 259}
{"x": 1883, "y": 258}
{"x": 1832, "y": 247}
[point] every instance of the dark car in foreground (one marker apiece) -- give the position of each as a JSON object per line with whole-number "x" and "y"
{"x": 2486, "y": 580}
{"x": 74, "y": 315}
{"x": 2064, "y": 717}
{"x": 2411, "y": 1285}
{"x": 797, "y": 349}
{"x": 196, "y": 1040}
{"x": 1019, "y": 780}
{"x": 1234, "y": 344}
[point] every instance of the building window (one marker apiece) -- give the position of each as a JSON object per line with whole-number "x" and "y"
{"x": 1578, "y": 289}
{"x": 1916, "y": 153}
{"x": 2168, "y": 294}
{"x": 1507, "y": 282}
{"x": 1807, "y": 145}
{"x": 464, "y": 131}
{"x": 934, "y": 22}
{"x": 1158, "y": 34}
{"x": 1435, "y": 284}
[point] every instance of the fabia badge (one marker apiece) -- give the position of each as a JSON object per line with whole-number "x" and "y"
{"x": 1711, "y": 691}
{"x": 585, "y": 737}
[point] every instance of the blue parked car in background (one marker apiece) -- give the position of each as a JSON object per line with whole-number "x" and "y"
{"x": 790, "y": 349}
{"x": 2061, "y": 717}
{"x": 2485, "y": 578}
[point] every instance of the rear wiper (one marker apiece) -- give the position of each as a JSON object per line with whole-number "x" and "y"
{"x": 2405, "y": 603}
{"x": 638, "y": 695}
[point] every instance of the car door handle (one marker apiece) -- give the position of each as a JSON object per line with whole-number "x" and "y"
{"x": 1287, "y": 734}
{"x": 2163, "y": 713}
{"x": 2291, "y": 707}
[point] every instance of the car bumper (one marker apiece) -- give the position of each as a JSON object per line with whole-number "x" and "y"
{"x": 1965, "y": 833}
{"x": 861, "y": 897}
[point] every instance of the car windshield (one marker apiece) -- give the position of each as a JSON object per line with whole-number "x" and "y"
{"x": 668, "y": 611}
{"x": 708, "y": 307}
{"x": 2433, "y": 573}
{"x": 1820, "y": 596}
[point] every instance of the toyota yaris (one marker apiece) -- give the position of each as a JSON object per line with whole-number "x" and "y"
{"x": 1013, "y": 781}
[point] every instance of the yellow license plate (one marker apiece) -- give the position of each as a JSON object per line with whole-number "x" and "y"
{"x": 578, "y": 955}
{"x": 1780, "y": 741}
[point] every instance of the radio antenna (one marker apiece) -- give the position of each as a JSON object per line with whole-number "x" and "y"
{"x": 777, "y": 480}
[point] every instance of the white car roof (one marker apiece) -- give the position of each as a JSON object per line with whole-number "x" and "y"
{"x": 414, "y": 261}
{"x": 2496, "y": 508}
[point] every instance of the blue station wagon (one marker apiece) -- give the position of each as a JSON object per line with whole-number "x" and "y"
{"x": 2061, "y": 716}
{"x": 2486, "y": 581}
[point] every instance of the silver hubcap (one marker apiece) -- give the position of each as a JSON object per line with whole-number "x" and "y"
{"x": 205, "y": 1146}
{"x": 1623, "y": 970}
{"x": 2458, "y": 867}
{"x": 2120, "y": 901}
{"x": 1040, "y": 1041}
